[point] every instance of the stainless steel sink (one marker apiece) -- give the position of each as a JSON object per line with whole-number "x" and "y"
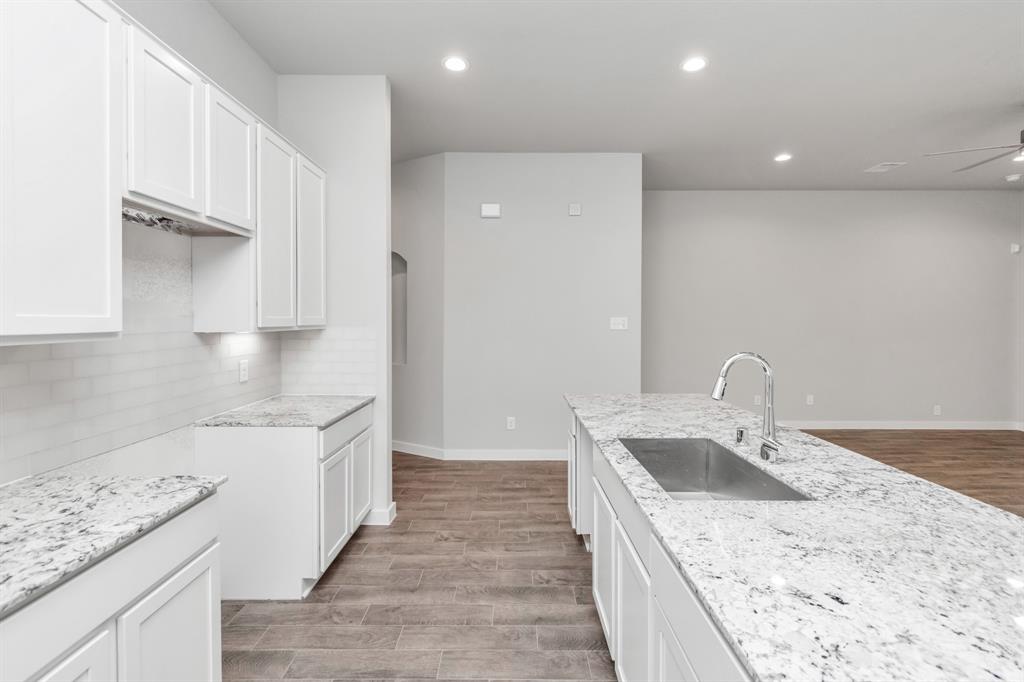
{"x": 701, "y": 469}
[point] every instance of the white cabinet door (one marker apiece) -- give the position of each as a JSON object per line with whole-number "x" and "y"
{"x": 570, "y": 449}
{"x": 275, "y": 230}
{"x": 230, "y": 161}
{"x": 311, "y": 226}
{"x": 165, "y": 126}
{"x": 335, "y": 504}
{"x": 61, "y": 141}
{"x": 632, "y": 598}
{"x": 91, "y": 662}
{"x": 362, "y": 454}
{"x": 603, "y": 546}
{"x": 668, "y": 662}
{"x": 173, "y": 633}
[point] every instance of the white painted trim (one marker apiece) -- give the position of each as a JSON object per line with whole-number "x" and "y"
{"x": 417, "y": 449}
{"x": 923, "y": 425}
{"x": 507, "y": 455}
{"x": 493, "y": 455}
{"x": 380, "y": 517}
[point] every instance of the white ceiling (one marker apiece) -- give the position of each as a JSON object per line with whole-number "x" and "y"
{"x": 842, "y": 85}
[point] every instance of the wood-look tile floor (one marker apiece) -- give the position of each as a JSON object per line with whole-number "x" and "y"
{"x": 479, "y": 577}
{"x": 986, "y": 465}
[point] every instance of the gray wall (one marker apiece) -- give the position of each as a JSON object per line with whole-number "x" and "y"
{"x": 418, "y": 235}
{"x": 200, "y": 34}
{"x": 880, "y": 304}
{"x": 528, "y": 296}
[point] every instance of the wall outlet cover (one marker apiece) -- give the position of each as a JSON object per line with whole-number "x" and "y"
{"x": 810, "y": 398}
{"x": 937, "y": 410}
{"x": 490, "y": 210}
{"x": 243, "y": 371}
{"x": 618, "y": 324}
{"x": 510, "y": 423}
{"x": 575, "y": 209}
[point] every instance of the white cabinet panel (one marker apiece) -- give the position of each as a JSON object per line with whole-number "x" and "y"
{"x": 91, "y": 662}
{"x": 603, "y": 546}
{"x": 61, "y": 141}
{"x": 275, "y": 230}
{"x": 632, "y": 597}
{"x": 173, "y": 633}
{"x": 668, "y": 661}
{"x": 571, "y": 454}
{"x": 362, "y": 472}
{"x": 311, "y": 228}
{"x": 230, "y": 161}
{"x": 165, "y": 126}
{"x": 335, "y": 504}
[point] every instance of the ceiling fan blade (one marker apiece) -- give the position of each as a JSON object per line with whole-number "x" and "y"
{"x": 975, "y": 149}
{"x": 982, "y": 163}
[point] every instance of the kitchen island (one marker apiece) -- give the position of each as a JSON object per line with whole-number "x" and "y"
{"x": 880, "y": 575}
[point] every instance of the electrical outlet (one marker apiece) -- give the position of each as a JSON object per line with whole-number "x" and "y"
{"x": 810, "y": 398}
{"x": 575, "y": 209}
{"x": 243, "y": 371}
{"x": 757, "y": 400}
{"x": 618, "y": 324}
{"x": 937, "y": 410}
{"x": 510, "y": 423}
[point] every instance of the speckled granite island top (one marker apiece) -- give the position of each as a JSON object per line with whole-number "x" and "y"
{"x": 55, "y": 525}
{"x": 882, "y": 576}
{"x": 291, "y": 410}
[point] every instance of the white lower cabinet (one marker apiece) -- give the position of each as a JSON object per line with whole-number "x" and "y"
{"x": 174, "y": 632}
{"x": 335, "y": 504}
{"x": 91, "y": 662}
{"x": 148, "y": 611}
{"x": 632, "y": 610}
{"x": 603, "y": 546}
{"x": 362, "y": 478}
{"x": 668, "y": 662}
{"x": 580, "y": 453}
{"x": 294, "y": 497}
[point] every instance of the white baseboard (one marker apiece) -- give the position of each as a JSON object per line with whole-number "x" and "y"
{"x": 478, "y": 455}
{"x": 417, "y": 449}
{"x": 380, "y": 517}
{"x": 923, "y": 425}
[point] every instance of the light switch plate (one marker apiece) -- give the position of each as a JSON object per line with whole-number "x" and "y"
{"x": 490, "y": 210}
{"x": 618, "y": 324}
{"x": 575, "y": 209}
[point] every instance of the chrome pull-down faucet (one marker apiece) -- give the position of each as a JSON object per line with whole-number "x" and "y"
{"x": 770, "y": 446}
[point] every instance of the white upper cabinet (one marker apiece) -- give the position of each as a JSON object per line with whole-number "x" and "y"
{"x": 230, "y": 161}
{"x": 275, "y": 233}
{"x": 61, "y": 137}
{"x": 165, "y": 126}
{"x": 311, "y": 229}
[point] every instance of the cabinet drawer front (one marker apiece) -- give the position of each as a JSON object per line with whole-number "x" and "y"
{"x": 335, "y": 505}
{"x": 336, "y": 435}
{"x": 708, "y": 653}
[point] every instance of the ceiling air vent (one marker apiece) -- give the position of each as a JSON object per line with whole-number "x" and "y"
{"x": 885, "y": 166}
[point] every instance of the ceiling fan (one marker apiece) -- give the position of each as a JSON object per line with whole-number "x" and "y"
{"x": 1014, "y": 149}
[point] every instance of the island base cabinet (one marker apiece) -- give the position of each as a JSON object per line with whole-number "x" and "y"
{"x": 603, "y": 546}
{"x": 174, "y": 632}
{"x": 91, "y": 662}
{"x": 668, "y": 662}
{"x": 632, "y": 611}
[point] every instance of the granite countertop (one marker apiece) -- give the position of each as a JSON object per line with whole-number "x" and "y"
{"x": 882, "y": 575}
{"x": 291, "y": 410}
{"x": 55, "y": 525}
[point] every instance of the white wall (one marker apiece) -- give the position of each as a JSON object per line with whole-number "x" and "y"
{"x": 344, "y": 123}
{"x": 526, "y": 298}
{"x": 880, "y": 304}
{"x": 418, "y": 235}
{"x": 202, "y": 36}
{"x": 62, "y": 403}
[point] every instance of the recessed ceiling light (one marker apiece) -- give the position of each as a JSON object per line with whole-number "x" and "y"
{"x": 783, "y": 157}
{"x": 454, "y": 63}
{"x": 1015, "y": 177}
{"x": 693, "y": 64}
